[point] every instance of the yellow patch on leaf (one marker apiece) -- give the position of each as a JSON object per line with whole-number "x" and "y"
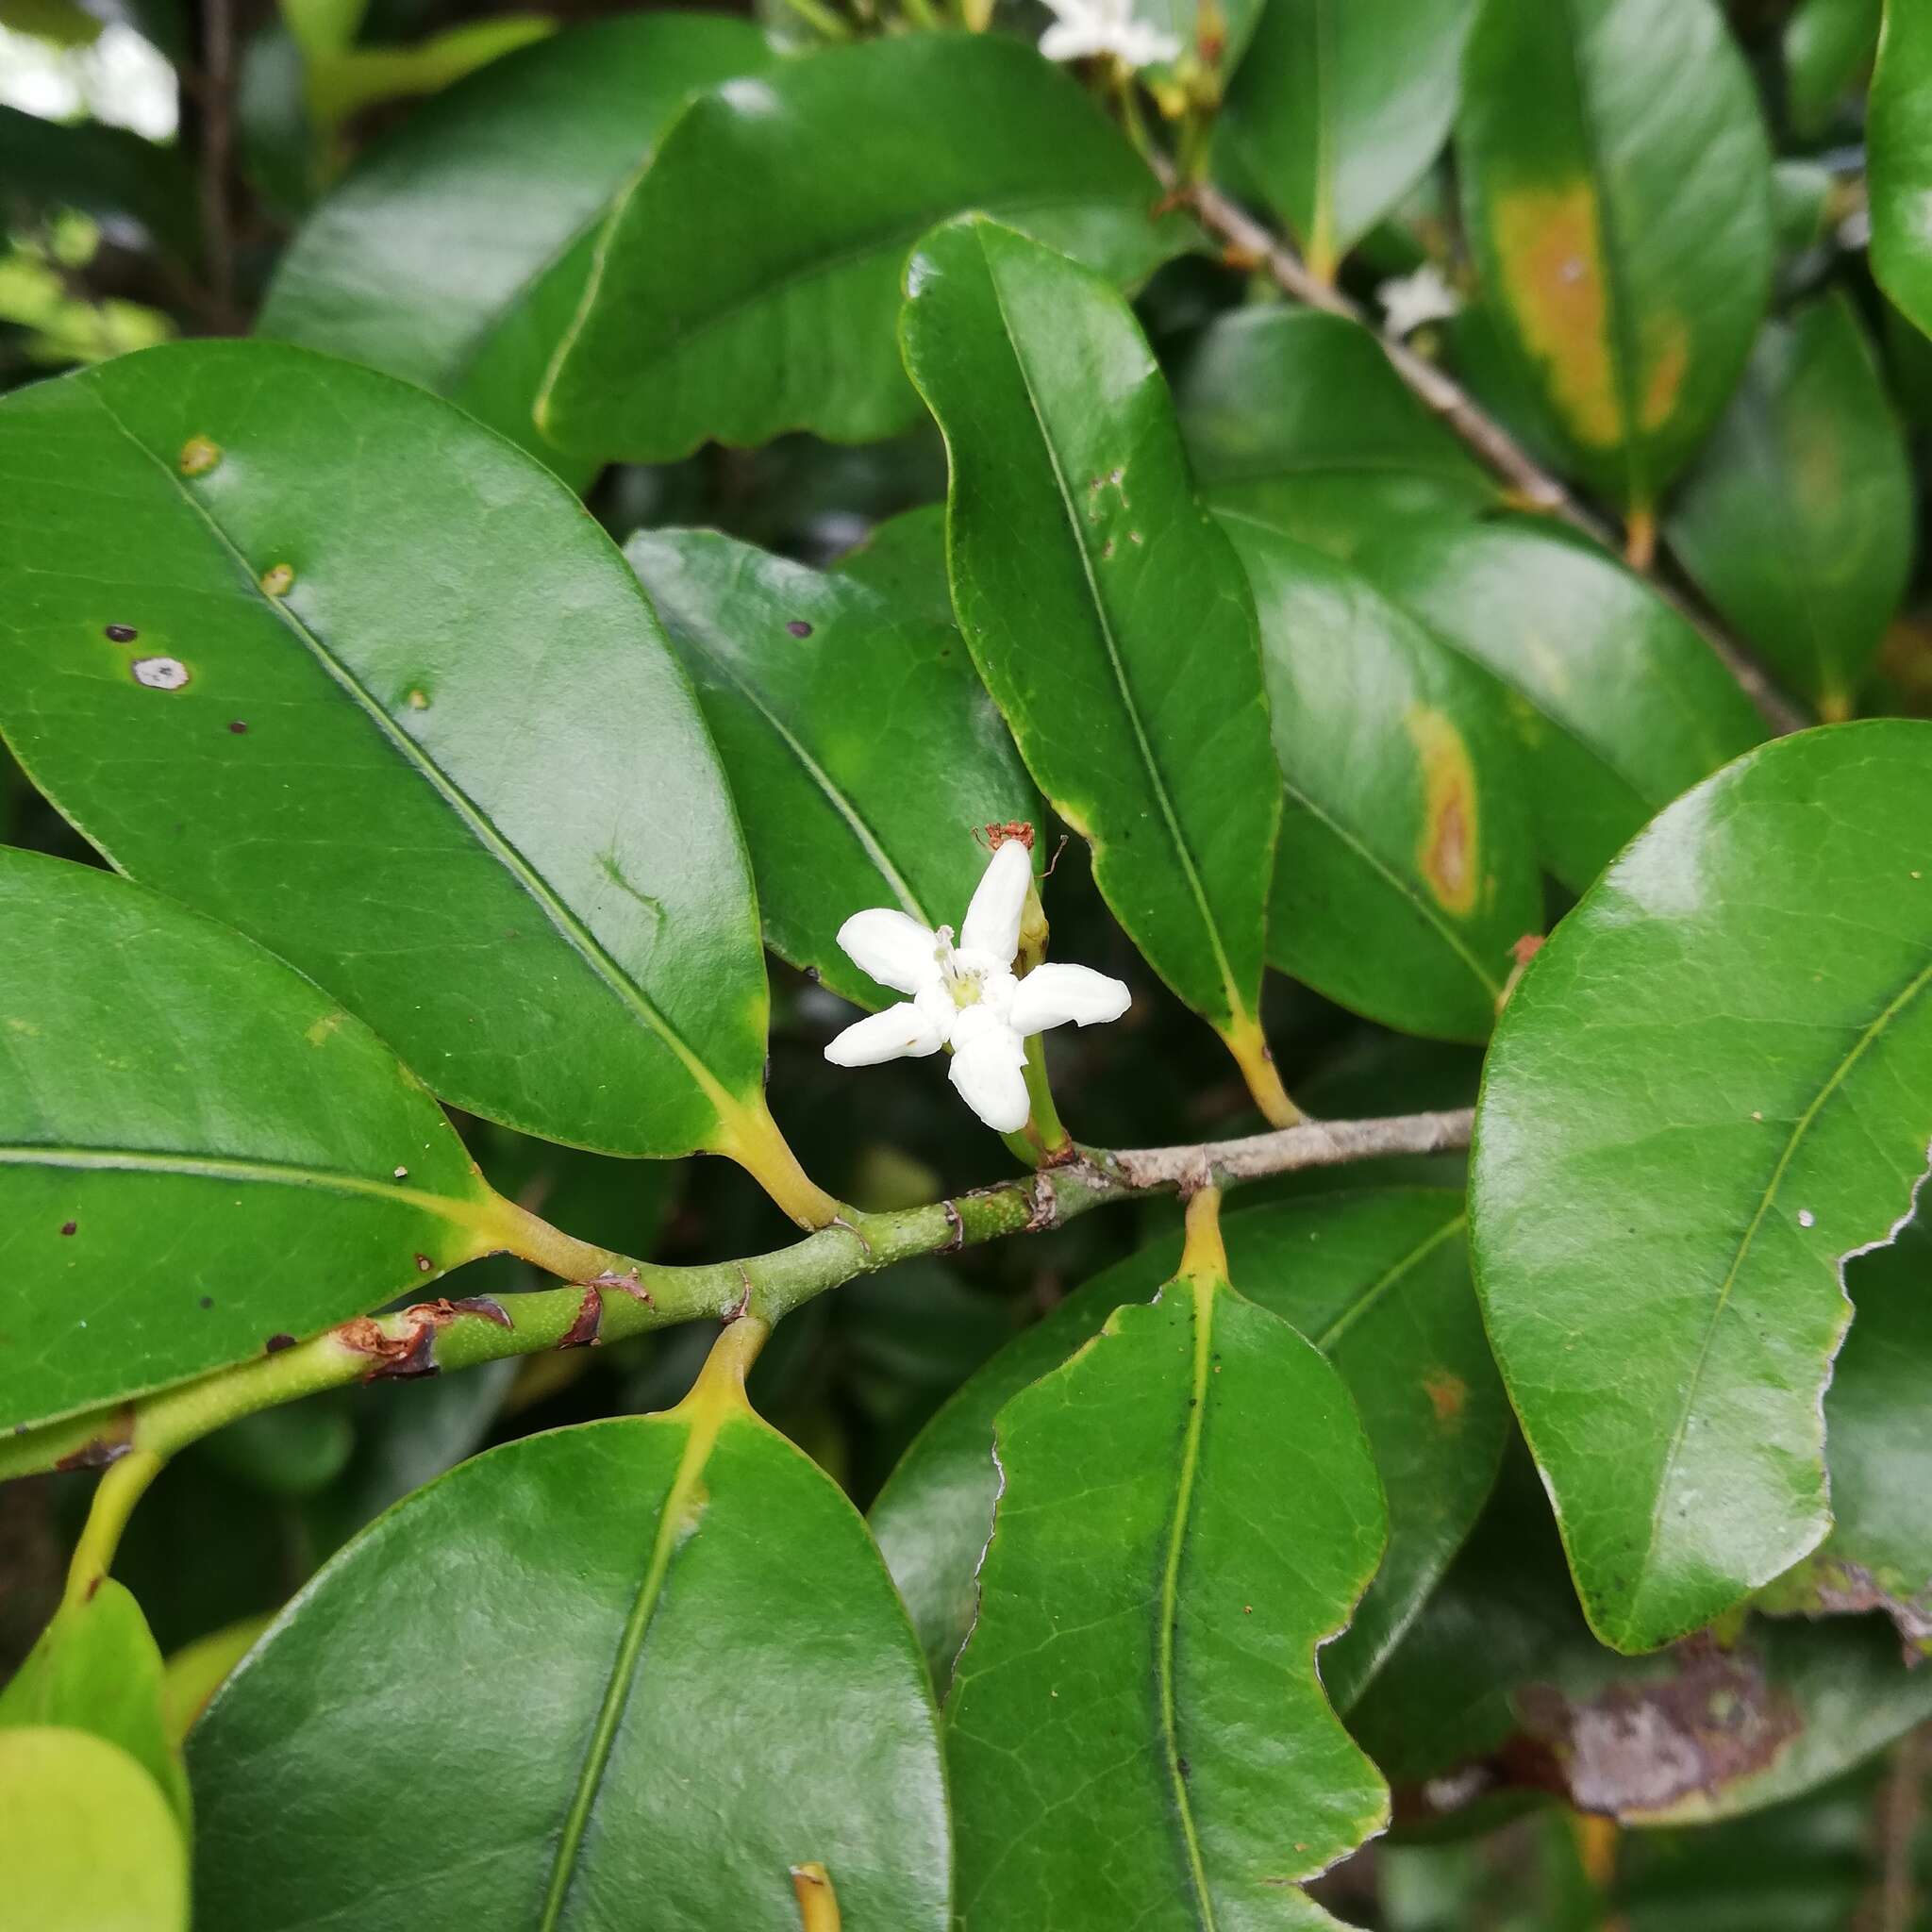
{"x": 1549, "y": 249}
{"x": 1447, "y": 1394}
{"x": 1446, "y": 854}
{"x": 1667, "y": 342}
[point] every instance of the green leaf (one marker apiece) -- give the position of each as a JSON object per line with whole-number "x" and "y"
{"x": 1294, "y": 419}
{"x": 87, "y": 1840}
{"x": 1187, "y": 1509}
{"x": 1616, "y": 704}
{"x": 1712, "y": 1087}
{"x": 1499, "y": 1693}
{"x": 1797, "y": 520}
{"x": 200, "y": 1152}
{"x": 198, "y": 1670}
{"x": 1339, "y": 109}
{"x": 862, "y": 751}
{"x": 1878, "y": 1445}
{"x": 904, "y": 559}
{"x": 429, "y": 726}
{"x": 95, "y": 1668}
{"x": 748, "y": 280}
{"x": 647, "y": 1664}
{"x": 1405, "y": 871}
{"x": 1617, "y": 191}
{"x": 1828, "y": 45}
{"x": 1379, "y": 1281}
{"x": 456, "y": 253}
{"x": 1108, "y": 615}
{"x": 1898, "y": 151}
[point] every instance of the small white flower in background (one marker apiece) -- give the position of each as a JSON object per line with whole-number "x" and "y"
{"x": 966, "y": 996}
{"x": 1409, "y": 301}
{"x": 1083, "y": 27}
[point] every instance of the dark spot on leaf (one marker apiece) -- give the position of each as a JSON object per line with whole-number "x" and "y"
{"x": 276, "y": 1344}
{"x": 799, "y": 628}
{"x": 237, "y": 727}
{"x": 121, "y": 633}
{"x": 582, "y": 1332}
{"x": 425, "y": 1265}
{"x": 70, "y": 1227}
{"x": 207, "y": 1300}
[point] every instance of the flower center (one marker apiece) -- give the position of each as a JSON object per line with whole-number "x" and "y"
{"x": 962, "y": 982}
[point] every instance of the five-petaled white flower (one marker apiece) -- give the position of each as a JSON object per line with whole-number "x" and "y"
{"x": 966, "y": 996}
{"x": 1104, "y": 27}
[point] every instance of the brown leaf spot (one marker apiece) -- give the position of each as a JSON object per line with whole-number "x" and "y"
{"x": 198, "y": 456}
{"x": 1549, "y": 251}
{"x": 799, "y": 628}
{"x": 1447, "y": 1394}
{"x": 70, "y": 1227}
{"x": 121, "y": 633}
{"x": 1446, "y": 851}
{"x": 276, "y": 1344}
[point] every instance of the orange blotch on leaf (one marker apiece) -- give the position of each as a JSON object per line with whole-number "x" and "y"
{"x": 1549, "y": 251}
{"x": 1446, "y": 854}
{"x": 1667, "y": 342}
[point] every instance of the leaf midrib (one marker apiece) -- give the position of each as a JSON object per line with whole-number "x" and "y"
{"x": 1238, "y": 1007}
{"x": 1359, "y": 1306}
{"x": 565, "y": 923}
{"x": 674, "y": 1525}
{"x": 868, "y": 840}
{"x": 1799, "y": 1129}
{"x": 222, "y": 1167}
{"x": 1205, "y": 1295}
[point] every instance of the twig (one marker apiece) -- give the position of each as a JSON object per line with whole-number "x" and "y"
{"x": 1900, "y": 1801}
{"x": 216, "y": 95}
{"x": 1527, "y": 482}
{"x": 627, "y": 1297}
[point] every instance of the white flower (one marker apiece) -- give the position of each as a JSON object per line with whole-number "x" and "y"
{"x": 966, "y": 996}
{"x": 1409, "y": 301}
{"x": 1083, "y": 27}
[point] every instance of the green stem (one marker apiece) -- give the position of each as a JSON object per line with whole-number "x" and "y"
{"x": 115, "y": 1496}
{"x": 633, "y": 1297}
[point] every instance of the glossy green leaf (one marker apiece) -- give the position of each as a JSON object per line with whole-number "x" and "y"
{"x": 1712, "y": 1087}
{"x": 1338, "y": 110}
{"x": 1898, "y": 151}
{"x": 1294, "y": 419}
{"x": 1378, "y": 1281}
{"x": 1616, "y": 704}
{"x": 1107, "y": 613}
{"x": 864, "y": 754}
{"x": 1405, "y": 870}
{"x": 748, "y": 280}
{"x": 1617, "y": 191}
{"x": 1878, "y": 1445}
{"x": 457, "y": 251}
{"x": 199, "y": 1150}
{"x": 1499, "y": 1693}
{"x": 87, "y": 1840}
{"x": 644, "y": 1666}
{"x": 95, "y": 1668}
{"x": 1797, "y": 520}
{"x": 1828, "y": 45}
{"x": 1136, "y": 1729}
{"x": 427, "y": 731}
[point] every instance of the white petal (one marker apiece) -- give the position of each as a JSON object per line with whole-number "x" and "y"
{"x": 901, "y": 1032}
{"x": 989, "y": 1075}
{"x": 1051, "y": 996}
{"x": 993, "y": 919}
{"x": 937, "y": 1004}
{"x": 1072, "y": 40}
{"x": 892, "y": 947}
